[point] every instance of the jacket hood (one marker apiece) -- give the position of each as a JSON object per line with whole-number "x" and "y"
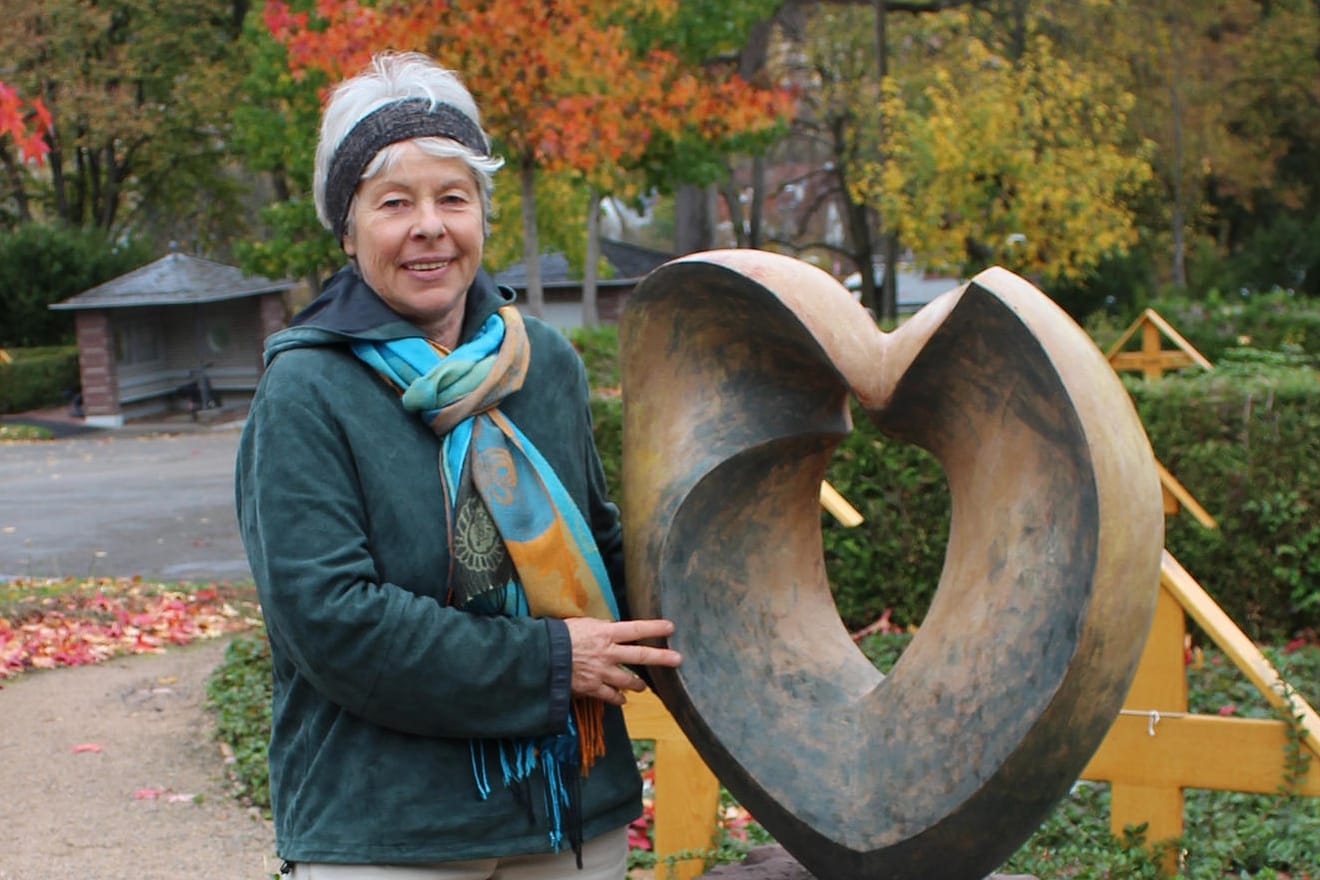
{"x": 347, "y": 310}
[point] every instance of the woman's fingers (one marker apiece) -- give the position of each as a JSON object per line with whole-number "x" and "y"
{"x": 602, "y": 649}
{"x": 642, "y": 655}
{"x": 623, "y": 632}
{"x": 636, "y": 630}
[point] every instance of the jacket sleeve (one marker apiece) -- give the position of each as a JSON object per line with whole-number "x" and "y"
{"x": 391, "y": 653}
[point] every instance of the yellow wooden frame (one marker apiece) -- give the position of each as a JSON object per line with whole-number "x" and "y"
{"x": 1154, "y": 750}
{"x": 686, "y": 793}
{"x": 1153, "y": 360}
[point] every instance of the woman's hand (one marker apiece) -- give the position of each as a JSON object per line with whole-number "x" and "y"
{"x": 602, "y": 647}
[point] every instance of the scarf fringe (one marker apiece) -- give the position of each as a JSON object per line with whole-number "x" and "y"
{"x": 589, "y": 714}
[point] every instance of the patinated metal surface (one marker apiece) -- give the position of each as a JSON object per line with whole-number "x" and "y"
{"x": 738, "y": 368}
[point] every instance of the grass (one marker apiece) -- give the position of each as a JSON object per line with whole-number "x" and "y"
{"x": 17, "y": 432}
{"x": 1228, "y": 834}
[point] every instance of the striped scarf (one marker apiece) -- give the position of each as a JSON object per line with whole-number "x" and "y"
{"x": 518, "y": 544}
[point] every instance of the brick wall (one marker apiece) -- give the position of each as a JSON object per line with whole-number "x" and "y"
{"x": 96, "y": 364}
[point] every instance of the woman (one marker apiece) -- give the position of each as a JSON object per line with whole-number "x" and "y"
{"x": 425, "y": 515}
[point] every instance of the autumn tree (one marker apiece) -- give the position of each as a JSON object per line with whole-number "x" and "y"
{"x": 1021, "y": 164}
{"x": 844, "y": 58}
{"x": 1180, "y": 60}
{"x": 720, "y": 37}
{"x": 137, "y": 92}
{"x": 24, "y": 126}
{"x": 1227, "y": 95}
{"x": 273, "y": 133}
{"x": 561, "y": 85}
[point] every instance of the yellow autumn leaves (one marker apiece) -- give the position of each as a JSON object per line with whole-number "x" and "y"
{"x": 1022, "y": 163}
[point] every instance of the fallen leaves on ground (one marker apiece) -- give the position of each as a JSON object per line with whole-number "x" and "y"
{"x": 166, "y": 794}
{"x": 45, "y": 623}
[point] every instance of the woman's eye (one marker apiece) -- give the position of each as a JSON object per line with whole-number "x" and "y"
{"x": 393, "y": 203}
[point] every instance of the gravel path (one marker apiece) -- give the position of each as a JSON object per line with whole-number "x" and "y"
{"x": 112, "y": 772}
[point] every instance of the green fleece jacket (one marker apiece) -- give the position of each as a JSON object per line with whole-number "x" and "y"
{"x": 379, "y": 687}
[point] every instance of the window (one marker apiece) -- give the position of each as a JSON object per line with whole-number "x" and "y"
{"x": 137, "y": 341}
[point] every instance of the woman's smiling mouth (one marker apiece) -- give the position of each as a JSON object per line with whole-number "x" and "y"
{"x": 426, "y": 265}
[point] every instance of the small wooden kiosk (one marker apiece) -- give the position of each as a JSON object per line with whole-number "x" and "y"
{"x": 146, "y": 333}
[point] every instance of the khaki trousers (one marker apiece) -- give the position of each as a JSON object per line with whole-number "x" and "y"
{"x": 603, "y": 858}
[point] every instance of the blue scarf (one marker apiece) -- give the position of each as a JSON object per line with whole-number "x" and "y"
{"x": 539, "y": 559}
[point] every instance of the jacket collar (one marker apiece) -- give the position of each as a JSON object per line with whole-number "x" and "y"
{"x": 348, "y": 310}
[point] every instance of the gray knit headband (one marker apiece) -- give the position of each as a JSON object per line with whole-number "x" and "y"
{"x": 399, "y": 121}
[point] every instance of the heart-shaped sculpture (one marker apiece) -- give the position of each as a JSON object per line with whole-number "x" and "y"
{"x": 738, "y": 368}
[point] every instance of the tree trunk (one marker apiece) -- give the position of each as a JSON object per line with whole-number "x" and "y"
{"x": 859, "y": 229}
{"x": 751, "y": 67}
{"x": 694, "y": 219}
{"x": 1179, "y": 217}
{"x": 590, "y": 314}
{"x": 887, "y": 295}
{"x": 531, "y": 249}
{"x": 756, "y": 211}
{"x": 16, "y": 189}
{"x": 734, "y": 206}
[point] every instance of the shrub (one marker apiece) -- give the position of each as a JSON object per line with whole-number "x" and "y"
{"x": 38, "y": 377}
{"x": 1277, "y": 320}
{"x": 239, "y": 693}
{"x": 41, "y": 265}
{"x": 1245, "y": 441}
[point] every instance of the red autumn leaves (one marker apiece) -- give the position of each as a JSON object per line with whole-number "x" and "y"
{"x": 46, "y": 623}
{"x": 26, "y": 122}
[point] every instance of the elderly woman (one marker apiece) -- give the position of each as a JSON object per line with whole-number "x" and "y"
{"x": 426, "y": 519}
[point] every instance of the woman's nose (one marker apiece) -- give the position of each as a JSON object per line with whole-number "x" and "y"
{"x": 428, "y": 221}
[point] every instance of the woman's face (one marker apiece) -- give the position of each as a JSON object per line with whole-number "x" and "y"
{"x": 417, "y": 232}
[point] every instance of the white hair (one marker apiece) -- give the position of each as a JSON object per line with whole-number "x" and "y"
{"x": 392, "y": 77}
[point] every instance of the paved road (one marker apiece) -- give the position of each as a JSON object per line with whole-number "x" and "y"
{"x": 121, "y": 503}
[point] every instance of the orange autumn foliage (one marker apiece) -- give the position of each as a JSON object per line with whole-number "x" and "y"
{"x": 559, "y": 85}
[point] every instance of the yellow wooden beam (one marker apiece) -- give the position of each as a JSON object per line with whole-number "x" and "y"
{"x": 1239, "y": 648}
{"x": 1181, "y": 499}
{"x": 1158, "y": 752}
{"x": 1178, "y": 339}
{"x": 838, "y": 506}
{"x": 1153, "y": 360}
{"x": 1159, "y": 808}
{"x": 687, "y": 794}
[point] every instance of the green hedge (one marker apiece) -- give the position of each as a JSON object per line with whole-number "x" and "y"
{"x": 1244, "y": 440}
{"x": 38, "y": 377}
{"x": 1278, "y": 321}
{"x": 41, "y": 265}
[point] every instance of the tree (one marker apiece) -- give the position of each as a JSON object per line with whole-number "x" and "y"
{"x": 845, "y": 59}
{"x": 731, "y": 37}
{"x": 561, "y": 85}
{"x": 1181, "y": 69}
{"x": 25, "y": 125}
{"x": 41, "y": 265}
{"x": 137, "y": 92}
{"x": 273, "y": 133}
{"x": 994, "y": 161}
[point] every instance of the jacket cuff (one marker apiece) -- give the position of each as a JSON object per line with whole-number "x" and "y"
{"x": 561, "y": 673}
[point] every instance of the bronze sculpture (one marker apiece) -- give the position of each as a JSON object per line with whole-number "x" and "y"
{"x": 738, "y": 370}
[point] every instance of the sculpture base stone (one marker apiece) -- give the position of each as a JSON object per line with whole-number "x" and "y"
{"x": 773, "y": 862}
